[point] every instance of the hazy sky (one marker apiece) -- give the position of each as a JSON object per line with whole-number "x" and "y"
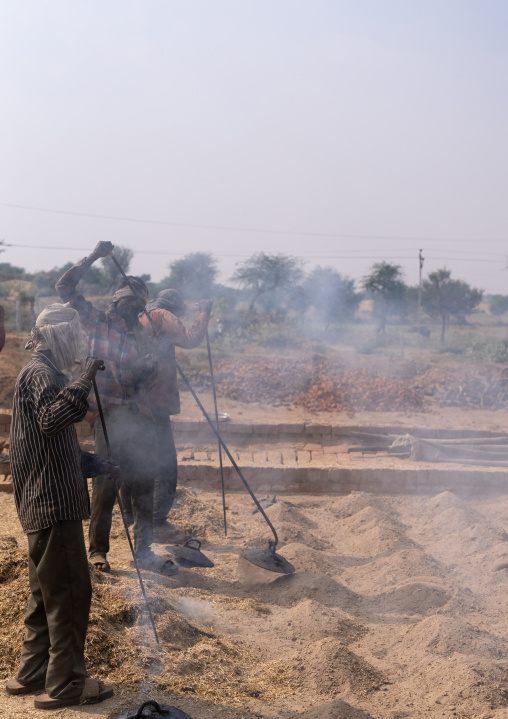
{"x": 298, "y": 124}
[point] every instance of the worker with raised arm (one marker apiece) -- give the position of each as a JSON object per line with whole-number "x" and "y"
{"x": 117, "y": 336}
{"x": 165, "y": 311}
{"x": 51, "y": 496}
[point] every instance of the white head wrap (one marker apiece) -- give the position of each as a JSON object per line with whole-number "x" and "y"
{"x": 58, "y": 329}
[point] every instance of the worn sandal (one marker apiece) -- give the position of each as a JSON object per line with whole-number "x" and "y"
{"x": 100, "y": 563}
{"x": 93, "y": 693}
{"x": 14, "y": 688}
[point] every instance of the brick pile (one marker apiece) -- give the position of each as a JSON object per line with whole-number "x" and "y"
{"x": 316, "y": 384}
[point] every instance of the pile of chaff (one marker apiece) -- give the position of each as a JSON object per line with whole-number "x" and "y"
{"x": 192, "y": 658}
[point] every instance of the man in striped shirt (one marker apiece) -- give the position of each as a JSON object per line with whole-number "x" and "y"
{"x": 51, "y": 495}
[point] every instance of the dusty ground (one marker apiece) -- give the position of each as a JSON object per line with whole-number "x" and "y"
{"x": 394, "y": 611}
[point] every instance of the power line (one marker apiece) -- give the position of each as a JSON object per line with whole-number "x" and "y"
{"x": 244, "y": 229}
{"x": 244, "y": 254}
{"x": 307, "y": 257}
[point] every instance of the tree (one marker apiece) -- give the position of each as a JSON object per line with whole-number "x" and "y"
{"x": 10, "y": 272}
{"x": 498, "y": 304}
{"x": 269, "y": 277}
{"x": 193, "y": 276}
{"x": 332, "y": 295}
{"x": 45, "y": 281}
{"x": 386, "y": 286}
{"x": 443, "y": 297}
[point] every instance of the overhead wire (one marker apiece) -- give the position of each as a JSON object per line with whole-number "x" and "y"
{"x": 246, "y": 229}
{"x": 326, "y": 256}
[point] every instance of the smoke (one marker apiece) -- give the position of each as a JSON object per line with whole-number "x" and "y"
{"x": 197, "y": 610}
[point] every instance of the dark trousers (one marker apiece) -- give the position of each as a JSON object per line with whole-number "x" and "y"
{"x": 167, "y": 472}
{"x": 57, "y": 614}
{"x": 134, "y": 444}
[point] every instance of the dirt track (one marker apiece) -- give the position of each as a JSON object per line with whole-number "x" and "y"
{"x": 394, "y": 612}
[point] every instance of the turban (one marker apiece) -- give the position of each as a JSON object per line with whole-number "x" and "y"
{"x": 58, "y": 329}
{"x": 123, "y": 292}
{"x": 170, "y": 300}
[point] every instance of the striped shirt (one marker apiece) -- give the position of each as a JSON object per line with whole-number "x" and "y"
{"x": 48, "y": 467}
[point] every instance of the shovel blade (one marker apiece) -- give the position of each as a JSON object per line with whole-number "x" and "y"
{"x": 266, "y": 559}
{"x": 189, "y": 556}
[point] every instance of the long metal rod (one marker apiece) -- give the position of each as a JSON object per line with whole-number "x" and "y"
{"x": 226, "y": 450}
{"x": 108, "y": 447}
{"x": 203, "y": 410}
{"x": 217, "y": 423}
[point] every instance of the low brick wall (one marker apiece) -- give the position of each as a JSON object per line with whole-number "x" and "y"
{"x": 335, "y": 481}
{"x": 291, "y": 431}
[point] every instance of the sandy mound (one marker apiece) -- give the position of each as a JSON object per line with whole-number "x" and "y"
{"x": 412, "y": 598}
{"x": 290, "y": 589}
{"x": 384, "y": 571}
{"x": 336, "y": 709}
{"x": 309, "y": 620}
{"x": 355, "y": 502}
{"x": 327, "y": 666}
{"x": 310, "y": 560}
{"x": 286, "y": 513}
{"x": 446, "y": 635}
{"x": 448, "y": 523}
{"x": 193, "y": 517}
{"x": 369, "y": 532}
{"x": 287, "y": 533}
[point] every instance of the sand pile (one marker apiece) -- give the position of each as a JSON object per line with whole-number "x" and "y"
{"x": 336, "y": 709}
{"x": 369, "y": 532}
{"x": 399, "y": 615}
{"x": 328, "y": 667}
{"x": 193, "y": 517}
{"x": 310, "y": 620}
{"x": 287, "y": 590}
{"x": 302, "y": 557}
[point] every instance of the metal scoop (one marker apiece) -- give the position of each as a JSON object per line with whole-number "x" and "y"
{"x": 268, "y": 559}
{"x": 189, "y": 556}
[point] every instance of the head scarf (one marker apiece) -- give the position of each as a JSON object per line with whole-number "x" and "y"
{"x": 140, "y": 291}
{"x": 170, "y": 300}
{"x": 58, "y": 329}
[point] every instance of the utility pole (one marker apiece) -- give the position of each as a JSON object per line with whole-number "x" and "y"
{"x": 420, "y": 261}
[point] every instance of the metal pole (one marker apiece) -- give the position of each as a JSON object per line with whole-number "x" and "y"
{"x": 217, "y": 421}
{"x": 420, "y": 261}
{"x": 108, "y": 447}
